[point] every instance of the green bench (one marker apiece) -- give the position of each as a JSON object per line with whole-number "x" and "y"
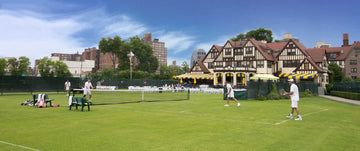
{"x": 80, "y": 101}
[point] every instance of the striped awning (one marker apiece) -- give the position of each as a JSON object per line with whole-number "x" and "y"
{"x": 298, "y": 75}
{"x": 208, "y": 76}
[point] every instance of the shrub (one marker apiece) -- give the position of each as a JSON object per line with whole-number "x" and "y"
{"x": 349, "y": 95}
{"x": 284, "y": 97}
{"x": 273, "y": 95}
{"x": 328, "y": 88}
{"x": 261, "y": 97}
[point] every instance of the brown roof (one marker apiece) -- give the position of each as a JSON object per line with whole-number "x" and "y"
{"x": 202, "y": 58}
{"x": 219, "y": 48}
{"x": 276, "y": 45}
{"x": 301, "y": 46}
{"x": 237, "y": 44}
{"x": 262, "y": 49}
{"x": 202, "y": 67}
{"x": 340, "y": 56}
{"x": 317, "y": 54}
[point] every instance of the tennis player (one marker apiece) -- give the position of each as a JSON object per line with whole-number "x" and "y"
{"x": 67, "y": 87}
{"x": 294, "y": 94}
{"x": 230, "y": 93}
{"x": 87, "y": 88}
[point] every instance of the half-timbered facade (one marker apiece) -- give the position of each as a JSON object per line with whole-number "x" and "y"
{"x": 236, "y": 62}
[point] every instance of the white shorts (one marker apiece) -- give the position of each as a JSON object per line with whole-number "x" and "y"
{"x": 294, "y": 104}
{"x": 87, "y": 92}
{"x": 231, "y": 95}
{"x": 67, "y": 88}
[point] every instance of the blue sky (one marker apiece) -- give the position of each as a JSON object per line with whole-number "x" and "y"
{"x": 37, "y": 28}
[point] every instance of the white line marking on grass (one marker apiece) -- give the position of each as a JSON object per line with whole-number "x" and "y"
{"x": 19, "y": 146}
{"x": 302, "y": 116}
{"x": 194, "y": 116}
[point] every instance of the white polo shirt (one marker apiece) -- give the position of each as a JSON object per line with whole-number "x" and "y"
{"x": 230, "y": 90}
{"x": 295, "y": 96}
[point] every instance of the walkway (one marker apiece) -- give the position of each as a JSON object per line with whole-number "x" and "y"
{"x": 341, "y": 99}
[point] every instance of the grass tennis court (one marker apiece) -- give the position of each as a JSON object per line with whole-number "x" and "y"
{"x": 201, "y": 123}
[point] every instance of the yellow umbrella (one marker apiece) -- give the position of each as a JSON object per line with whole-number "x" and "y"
{"x": 216, "y": 80}
{"x": 180, "y": 80}
{"x": 194, "y": 80}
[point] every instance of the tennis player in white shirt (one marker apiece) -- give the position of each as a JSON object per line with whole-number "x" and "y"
{"x": 230, "y": 93}
{"x": 294, "y": 94}
{"x": 87, "y": 88}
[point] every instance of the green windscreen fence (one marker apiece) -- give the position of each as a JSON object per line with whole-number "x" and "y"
{"x": 28, "y": 85}
{"x": 353, "y": 87}
{"x": 256, "y": 88}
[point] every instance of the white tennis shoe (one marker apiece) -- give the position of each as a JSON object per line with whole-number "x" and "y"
{"x": 298, "y": 119}
{"x": 238, "y": 104}
{"x": 226, "y": 105}
{"x": 289, "y": 117}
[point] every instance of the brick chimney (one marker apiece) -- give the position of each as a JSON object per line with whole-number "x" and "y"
{"x": 287, "y": 36}
{"x": 345, "y": 40}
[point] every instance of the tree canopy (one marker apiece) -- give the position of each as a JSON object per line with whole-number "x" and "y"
{"x": 113, "y": 46}
{"x": 336, "y": 73}
{"x": 48, "y": 68}
{"x": 258, "y": 34}
{"x": 3, "y": 65}
{"x": 19, "y": 67}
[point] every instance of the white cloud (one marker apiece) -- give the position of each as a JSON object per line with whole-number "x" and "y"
{"x": 177, "y": 41}
{"x": 221, "y": 40}
{"x": 35, "y": 37}
{"x": 37, "y": 34}
{"x": 123, "y": 26}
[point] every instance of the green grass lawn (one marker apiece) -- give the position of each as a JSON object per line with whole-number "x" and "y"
{"x": 201, "y": 123}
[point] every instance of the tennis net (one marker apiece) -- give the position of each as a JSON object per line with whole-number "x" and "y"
{"x": 103, "y": 97}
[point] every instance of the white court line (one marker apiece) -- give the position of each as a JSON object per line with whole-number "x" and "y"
{"x": 19, "y": 146}
{"x": 302, "y": 116}
{"x": 193, "y": 116}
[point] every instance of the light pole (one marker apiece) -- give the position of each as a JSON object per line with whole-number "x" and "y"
{"x": 130, "y": 55}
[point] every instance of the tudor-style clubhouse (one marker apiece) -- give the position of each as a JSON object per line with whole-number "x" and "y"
{"x": 238, "y": 61}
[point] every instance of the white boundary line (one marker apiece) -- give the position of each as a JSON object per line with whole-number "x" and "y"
{"x": 302, "y": 115}
{"x": 179, "y": 113}
{"x": 19, "y": 146}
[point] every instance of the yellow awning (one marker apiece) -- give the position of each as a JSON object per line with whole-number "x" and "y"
{"x": 299, "y": 75}
{"x": 207, "y": 76}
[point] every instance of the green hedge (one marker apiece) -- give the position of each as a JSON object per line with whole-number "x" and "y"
{"x": 349, "y": 95}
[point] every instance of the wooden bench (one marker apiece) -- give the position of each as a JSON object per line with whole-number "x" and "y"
{"x": 46, "y": 98}
{"x": 79, "y": 101}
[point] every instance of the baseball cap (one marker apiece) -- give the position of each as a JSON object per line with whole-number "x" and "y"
{"x": 291, "y": 80}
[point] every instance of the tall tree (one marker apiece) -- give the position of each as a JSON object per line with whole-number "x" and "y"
{"x": 61, "y": 69}
{"x": 19, "y": 67}
{"x": 258, "y": 34}
{"x": 13, "y": 65}
{"x": 185, "y": 67}
{"x": 24, "y": 64}
{"x": 45, "y": 67}
{"x": 143, "y": 53}
{"x": 336, "y": 73}
{"x": 3, "y": 65}
{"x": 112, "y": 46}
{"x": 239, "y": 37}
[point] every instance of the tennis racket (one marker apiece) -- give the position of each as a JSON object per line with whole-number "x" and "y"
{"x": 282, "y": 92}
